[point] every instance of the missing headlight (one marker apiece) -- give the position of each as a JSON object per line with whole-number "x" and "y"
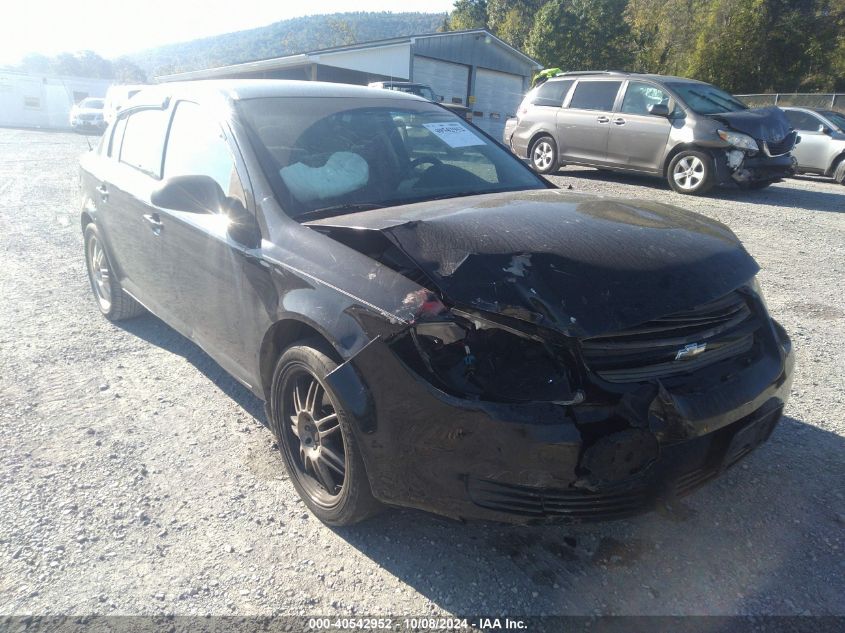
{"x": 470, "y": 357}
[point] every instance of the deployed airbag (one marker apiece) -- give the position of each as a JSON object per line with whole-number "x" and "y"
{"x": 343, "y": 172}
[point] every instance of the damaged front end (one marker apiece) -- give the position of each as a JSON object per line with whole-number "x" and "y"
{"x": 758, "y": 148}
{"x": 522, "y": 391}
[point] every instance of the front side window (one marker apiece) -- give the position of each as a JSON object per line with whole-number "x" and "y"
{"x": 640, "y": 95}
{"x": 143, "y": 141}
{"x": 116, "y": 137}
{"x": 595, "y": 95}
{"x": 324, "y": 155}
{"x": 552, "y": 93}
{"x": 836, "y": 118}
{"x": 707, "y": 99}
{"x": 196, "y": 147}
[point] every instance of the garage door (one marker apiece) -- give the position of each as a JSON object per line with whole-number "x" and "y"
{"x": 445, "y": 78}
{"x": 497, "y": 96}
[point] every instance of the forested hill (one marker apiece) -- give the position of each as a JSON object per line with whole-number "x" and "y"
{"x": 282, "y": 38}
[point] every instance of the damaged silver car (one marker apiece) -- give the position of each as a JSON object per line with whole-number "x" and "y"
{"x": 429, "y": 323}
{"x": 694, "y": 135}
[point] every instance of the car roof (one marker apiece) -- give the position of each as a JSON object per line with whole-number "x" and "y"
{"x": 816, "y": 110}
{"x": 239, "y": 89}
{"x": 591, "y": 74}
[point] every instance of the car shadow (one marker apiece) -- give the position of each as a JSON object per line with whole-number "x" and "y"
{"x": 723, "y": 550}
{"x": 821, "y": 199}
{"x": 153, "y": 330}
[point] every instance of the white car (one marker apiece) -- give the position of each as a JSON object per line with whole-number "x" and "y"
{"x": 87, "y": 115}
{"x": 822, "y": 147}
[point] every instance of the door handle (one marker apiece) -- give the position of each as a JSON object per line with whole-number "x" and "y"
{"x": 619, "y": 121}
{"x": 154, "y": 221}
{"x": 103, "y": 191}
{"x": 603, "y": 119}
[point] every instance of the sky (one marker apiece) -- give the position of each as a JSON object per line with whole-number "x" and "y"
{"x": 115, "y": 27}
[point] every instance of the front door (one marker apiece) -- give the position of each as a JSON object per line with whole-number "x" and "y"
{"x": 208, "y": 295}
{"x": 814, "y": 148}
{"x": 638, "y": 139}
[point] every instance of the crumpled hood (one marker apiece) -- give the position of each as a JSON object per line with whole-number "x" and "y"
{"x": 765, "y": 124}
{"x": 578, "y": 264}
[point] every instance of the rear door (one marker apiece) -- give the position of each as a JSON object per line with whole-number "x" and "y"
{"x": 583, "y": 125}
{"x": 813, "y": 150}
{"x": 208, "y": 294}
{"x": 638, "y": 139}
{"x": 129, "y": 229}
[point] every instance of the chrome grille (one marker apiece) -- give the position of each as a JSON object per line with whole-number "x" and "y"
{"x": 724, "y": 328}
{"x": 781, "y": 147}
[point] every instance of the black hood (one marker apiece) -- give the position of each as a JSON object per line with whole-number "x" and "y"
{"x": 581, "y": 265}
{"x": 765, "y": 124}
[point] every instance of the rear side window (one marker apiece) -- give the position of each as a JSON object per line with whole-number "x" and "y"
{"x": 595, "y": 95}
{"x": 552, "y": 93}
{"x": 802, "y": 121}
{"x": 143, "y": 141}
{"x": 196, "y": 146}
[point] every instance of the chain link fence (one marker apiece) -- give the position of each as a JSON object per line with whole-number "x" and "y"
{"x": 800, "y": 99}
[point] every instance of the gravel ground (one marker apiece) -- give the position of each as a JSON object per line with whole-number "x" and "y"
{"x": 136, "y": 477}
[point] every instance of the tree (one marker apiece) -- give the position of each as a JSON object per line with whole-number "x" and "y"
{"x": 125, "y": 72}
{"x": 468, "y": 14}
{"x": 581, "y": 35}
{"x": 511, "y": 20}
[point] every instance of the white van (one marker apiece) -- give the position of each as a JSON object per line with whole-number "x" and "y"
{"x": 116, "y": 98}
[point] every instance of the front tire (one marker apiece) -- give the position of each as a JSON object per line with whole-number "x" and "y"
{"x": 839, "y": 172}
{"x": 315, "y": 438}
{"x": 691, "y": 173}
{"x": 111, "y": 299}
{"x": 543, "y": 154}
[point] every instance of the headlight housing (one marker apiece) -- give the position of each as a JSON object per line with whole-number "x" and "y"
{"x": 742, "y": 141}
{"x": 473, "y": 357}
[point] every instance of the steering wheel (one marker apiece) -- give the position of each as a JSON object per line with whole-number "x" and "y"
{"x": 423, "y": 160}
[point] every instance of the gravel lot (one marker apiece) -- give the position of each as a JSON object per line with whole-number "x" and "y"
{"x": 136, "y": 477}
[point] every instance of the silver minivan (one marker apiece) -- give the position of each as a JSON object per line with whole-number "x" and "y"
{"x": 689, "y": 132}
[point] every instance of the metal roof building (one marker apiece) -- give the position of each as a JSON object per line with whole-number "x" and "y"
{"x": 36, "y": 100}
{"x": 473, "y": 68}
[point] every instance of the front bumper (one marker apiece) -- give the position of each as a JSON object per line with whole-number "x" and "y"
{"x": 757, "y": 168}
{"x": 520, "y": 462}
{"x": 91, "y": 126}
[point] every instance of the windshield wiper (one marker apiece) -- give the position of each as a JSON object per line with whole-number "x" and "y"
{"x": 338, "y": 209}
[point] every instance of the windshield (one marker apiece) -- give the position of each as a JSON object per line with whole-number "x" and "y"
{"x": 331, "y": 156}
{"x": 94, "y": 104}
{"x": 706, "y": 99}
{"x": 837, "y": 118}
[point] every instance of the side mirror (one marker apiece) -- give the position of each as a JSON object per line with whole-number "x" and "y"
{"x": 658, "y": 109}
{"x": 440, "y": 98}
{"x": 194, "y": 194}
{"x": 824, "y": 129}
{"x": 202, "y": 194}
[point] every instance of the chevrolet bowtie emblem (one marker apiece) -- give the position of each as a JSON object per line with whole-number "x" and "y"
{"x": 688, "y": 351}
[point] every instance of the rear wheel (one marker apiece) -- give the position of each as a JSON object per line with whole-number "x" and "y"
{"x": 112, "y": 300}
{"x": 316, "y": 440}
{"x": 691, "y": 172}
{"x": 543, "y": 154}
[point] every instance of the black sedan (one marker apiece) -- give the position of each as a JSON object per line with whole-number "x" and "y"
{"x": 429, "y": 323}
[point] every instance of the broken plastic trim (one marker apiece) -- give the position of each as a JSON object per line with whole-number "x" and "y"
{"x": 473, "y": 357}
